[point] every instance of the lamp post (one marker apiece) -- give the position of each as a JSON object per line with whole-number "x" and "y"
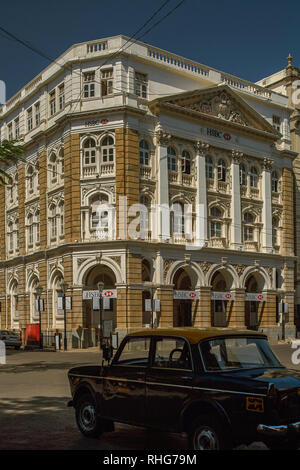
{"x": 38, "y": 291}
{"x": 64, "y": 287}
{"x": 151, "y": 289}
{"x": 100, "y": 286}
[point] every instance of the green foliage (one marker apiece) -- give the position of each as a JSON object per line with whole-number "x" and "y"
{"x": 11, "y": 151}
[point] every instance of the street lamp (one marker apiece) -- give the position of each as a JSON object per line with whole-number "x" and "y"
{"x": 39, "y": 291}
{"x": 151, "y": 289}
{"x": 100, "y": 286}
{"x": 64, "y": 287}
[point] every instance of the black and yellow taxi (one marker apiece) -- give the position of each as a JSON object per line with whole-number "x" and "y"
{"x": 222, "y": 387}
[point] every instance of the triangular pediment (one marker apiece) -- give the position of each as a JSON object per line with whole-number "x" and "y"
{"x": 217, "y": 103}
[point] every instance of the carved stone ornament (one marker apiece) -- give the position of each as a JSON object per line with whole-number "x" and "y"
{"x": 201, "y": 147}
{"x": 167, "y": 264}
{"x": 270, "y": 273}
{"x": 80, "y": 261}
{"x": 239, "y": 268}
{"x": 117, "y": 259}
{"x": 237, "y": 156}
{"x": 205, "y": 266}
{"x": 163, "y": 138}
{"x": 267, "y": 164}
{"x": 220, "y": 106}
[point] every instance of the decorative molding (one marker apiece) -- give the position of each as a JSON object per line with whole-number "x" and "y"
{"x": 240, "y": 268}
{"x": 205, "y": 266}
{"x": 201, "y": 147}
{"x": 237, "y": 156}
{"x": 81, "y": 260}
{"x": 162, "y": 138}
{"x": 267, "y": 164}
{"x": 167, "y": 264}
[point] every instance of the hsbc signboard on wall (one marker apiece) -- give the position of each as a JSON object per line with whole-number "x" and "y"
{"x": 255, "y": 297}
{"x": 185, "y": 294}
{"x": 108, "y": 293}
{"x": 222, "y": 296}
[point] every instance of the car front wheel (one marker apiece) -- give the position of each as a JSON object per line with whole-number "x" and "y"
{"x": 87, "y": 419}
{"x": 208, "y": 434}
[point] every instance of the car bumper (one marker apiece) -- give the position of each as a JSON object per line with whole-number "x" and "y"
{"x": 281, "y": 430}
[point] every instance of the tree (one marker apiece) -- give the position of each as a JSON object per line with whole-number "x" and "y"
{"x": 11, "y": 151}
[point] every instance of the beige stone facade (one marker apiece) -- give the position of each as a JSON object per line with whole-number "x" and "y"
{"x": 228, "y": 261}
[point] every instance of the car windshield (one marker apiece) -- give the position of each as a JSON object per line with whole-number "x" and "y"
{"x": 237, "y": 353}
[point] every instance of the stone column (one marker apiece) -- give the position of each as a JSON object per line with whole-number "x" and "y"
{"x": 267, "y": 244}
{"x": 201, "y": 198}
{"x": 236, "y": 318}
{"x": 236, "y": 221}
{"x": 287, "y": 214}
{"x": 202, "y": 308}
{"x": 165, "y": 295}
{"x": 163, "y": 212}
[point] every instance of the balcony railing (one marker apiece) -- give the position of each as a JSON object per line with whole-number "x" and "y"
{"x": 173, "y": 177}
{"x": 250, "y": 245}
{"x": 222, "y": 186}
{"x": 106, "y": 169}
{"x": 254, "y": 193}
{"x": 218, "y": 242}
{"x": 145, "y": 172}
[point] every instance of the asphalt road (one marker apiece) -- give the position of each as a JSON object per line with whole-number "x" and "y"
{"x": 34, "y": 391}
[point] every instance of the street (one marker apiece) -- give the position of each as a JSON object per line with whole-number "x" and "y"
{"x": 34, "y": 391}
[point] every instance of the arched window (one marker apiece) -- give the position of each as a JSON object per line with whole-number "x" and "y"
{"x": 89, "y": 152}
{"x": 30, "y": 178}
{"x": 275, "y": 181}
{"x": 177, "y": 219}
{"x": 249, "y": 221}
{"x": 275, "y": 231}
{"x": 186, "y": 162}
{"x": 99, "y": 217}
{"x": 209, "y": 168}
{"x": 144, "y": 153}
{"x": 216, "y": 223}
{"x": 30, "y": 229}
{"x": 145, "y": 216}
{"x": 53, "y": 167}
{"x": 243, "y": 176}
{"x": 172, "y": 159}
{"x": 253, "y": 177}
{"x": 53, "y": 221}
{"x": 37, "y": 221}
{"x": 221, "y": 170}
{"x": 107, "y": 149}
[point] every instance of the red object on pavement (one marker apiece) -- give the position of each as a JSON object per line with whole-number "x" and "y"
{"x": 32, "y": 333}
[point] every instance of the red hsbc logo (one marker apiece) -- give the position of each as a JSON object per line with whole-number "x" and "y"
{"x": 260, "y": 297}
{"x": 227, "y": 136}
{"x": 104, "y": 121}
{"x": 108, "y": 293}
{"x": 192, "y": 294}
{"x": 228, "y": 296}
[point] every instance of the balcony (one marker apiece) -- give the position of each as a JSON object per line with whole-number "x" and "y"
{"x": 187, "y": 180}
{"x": 222, "y": 186}
{"x": 106, "y": 169}
{"x": 254, "y": 193}
{"x": 250, "y": 246}
{"x": 276, "y": 197}
{"x": 218, "y": 242}
{"x": 210, "y": 184}
{"x": 145, "y": 172}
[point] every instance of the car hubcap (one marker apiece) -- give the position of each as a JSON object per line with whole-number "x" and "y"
{"x": 206, "y": 439}
{"x": 88, "y": 417}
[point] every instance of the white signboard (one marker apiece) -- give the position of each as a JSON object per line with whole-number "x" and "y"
{"x": 60, "y": 303}
{"x": 255, "y": 297}
{"x": 106, "y": 303}
{"x": 148, "y": 305}
{"x": 109, "y": 293}
{"x": 185, "y": 294}
{"x": 222, "y": 296}
{"x": 96, "y": 303}
{"x": 156, "y": 306}
{"x": 68, "y": 303}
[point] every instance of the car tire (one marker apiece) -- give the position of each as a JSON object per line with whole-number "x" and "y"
{"x": 208, "y": 434}
{"x": 88, "y": 422}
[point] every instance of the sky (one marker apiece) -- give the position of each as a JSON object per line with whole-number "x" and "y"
{"x": 249, "y": 39}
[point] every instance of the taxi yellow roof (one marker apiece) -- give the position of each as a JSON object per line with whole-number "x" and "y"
{"x": 194, "y": 335}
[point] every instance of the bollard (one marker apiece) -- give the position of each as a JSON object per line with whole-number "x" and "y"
{"x": 2, "y": 352}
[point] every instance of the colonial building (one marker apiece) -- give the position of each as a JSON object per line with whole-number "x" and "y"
{"x": 207, "y": 154}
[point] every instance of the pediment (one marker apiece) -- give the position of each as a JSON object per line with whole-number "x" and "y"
{"x": 217, "y": 103}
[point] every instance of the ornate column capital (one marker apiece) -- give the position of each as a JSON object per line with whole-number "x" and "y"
{"x": 236, "y": 156}
{"x": 268, "y": 164}
{"x": 162, "y": 137}
{"x": 201, "y": 147}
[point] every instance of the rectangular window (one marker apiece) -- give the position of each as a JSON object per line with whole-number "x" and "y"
{"x": 135, "y": 352}
{"x": 37, "y": 114}
{"x": 52, "y": 103}
{"x": 17, "y": 128}
{"x": 216, "y": 229}
{"x": 61, "y": 96}
{"x": 172, "y": 353}
{"x": 276, "y": 122}
{"x": 141, "y": 84}
{"x": 107, "y": 82}
{"x": 89, "y": 85}
{"x": 29, "y": 119}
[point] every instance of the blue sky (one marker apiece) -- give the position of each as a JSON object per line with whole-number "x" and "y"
{"x": 250, "y": 39}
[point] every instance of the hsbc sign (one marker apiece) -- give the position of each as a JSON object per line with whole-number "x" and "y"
{"x": 255, "y": 297}
{"x": 222, "y": 296}
{"x": 108, "y": 293}
{"x": 185, "y": 294}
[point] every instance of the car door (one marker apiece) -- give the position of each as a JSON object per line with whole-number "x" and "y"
{"x": 124, "y": 387}
{"x": 169, "y": 381}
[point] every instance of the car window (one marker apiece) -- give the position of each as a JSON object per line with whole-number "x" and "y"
{"x": 172, "y": 353}
{"x": 135, "y": 352}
